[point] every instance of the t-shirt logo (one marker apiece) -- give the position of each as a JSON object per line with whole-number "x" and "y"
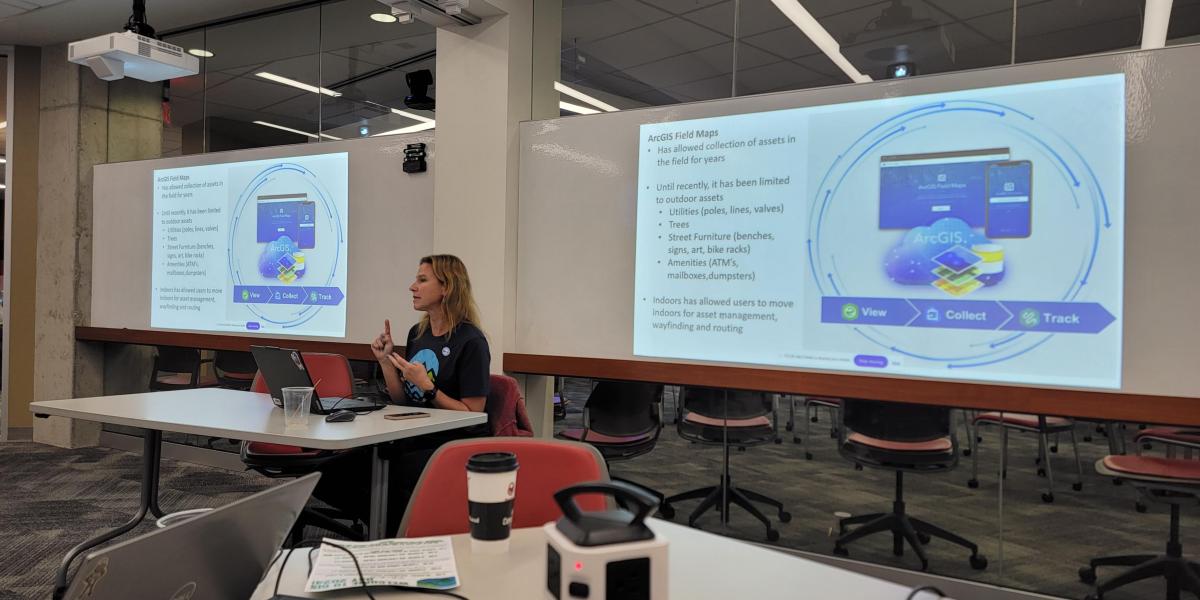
{"x": 428, "y": 359}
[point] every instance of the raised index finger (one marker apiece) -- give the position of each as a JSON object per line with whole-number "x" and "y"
{"x": 387, "y": 326}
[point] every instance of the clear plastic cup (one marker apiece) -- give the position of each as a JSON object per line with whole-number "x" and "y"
{"x": 296, "y": 406}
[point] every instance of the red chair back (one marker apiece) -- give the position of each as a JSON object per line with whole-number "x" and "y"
{"x": 439, "y": 504}
{"x": 331, "y": 373}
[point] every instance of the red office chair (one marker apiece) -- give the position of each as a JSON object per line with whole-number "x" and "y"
{"x": 333, "y": 378}
{"x": 331, "y": 373}
{"x": 1168, "y": 480}
{"x": 439, "y": 504}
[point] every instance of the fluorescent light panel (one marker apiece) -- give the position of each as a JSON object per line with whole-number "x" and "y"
{"x": 1154, "y": 26}
{"x": 412, "y": 116}
{"x": 297, "y": 84}
{"x": 577, "y": 109}
{"x": 792, "y": 9}
{"x": 410, "y": 129}
{"x": 578, "y": 95}
{"x": 3, "y": 124}
{"x": 297, "y": 131}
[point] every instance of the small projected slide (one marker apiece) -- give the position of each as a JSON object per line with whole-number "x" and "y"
{"x": 974, "y": 235}
{"x": 255, "y": 246}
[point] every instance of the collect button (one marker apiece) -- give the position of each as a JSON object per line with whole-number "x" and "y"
{"x": 870, "y": 360}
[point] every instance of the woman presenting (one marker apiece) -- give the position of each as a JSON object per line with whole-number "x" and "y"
{"x": 446, "y": 365}
{"x": 446, "y": 355}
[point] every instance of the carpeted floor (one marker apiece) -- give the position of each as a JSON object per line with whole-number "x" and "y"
{"x": 52, "y": 499}
{"x": 1043, "y": 544}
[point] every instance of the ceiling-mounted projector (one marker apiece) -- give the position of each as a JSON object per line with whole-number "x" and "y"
{"x": 118, "y": 55}
{"x": 135, "y": 52}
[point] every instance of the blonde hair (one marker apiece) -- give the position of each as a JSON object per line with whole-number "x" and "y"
{"x": 458, "y": 304}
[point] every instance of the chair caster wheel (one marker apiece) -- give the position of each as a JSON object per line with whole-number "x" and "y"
{"x": 1047, "y": 497}
{"x": 978, "y": 562}
{"x": 808, "y": 456}
{"x": 785, "y": 516}
{"x": 795, "y": 440}
{"x": 772, "y": 535}
{"x": 1087, "y": 438}
{"x": 1077, "y": 486}
{"x": 1054, "y": 449}
{"x": 857, "y": 467}
{"x": 840, "y": 551}
{"x": 1041, "y": 472}
{"x": 813, "y": 419}
{"x": 966, "y": 452}
{"x": 778, "y": 440}
{"x": 667, "y": 511}
{"x": 789, "y": 427}
{"x": 1087, "y": 575}
{"x": 923, "y": 538}
{"x": 972, "y": 483}
{"x": 1138, "y": 506}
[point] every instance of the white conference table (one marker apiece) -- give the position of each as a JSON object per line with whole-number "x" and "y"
{"x": 249, "y": 416}
{"x": 703, "y": 566}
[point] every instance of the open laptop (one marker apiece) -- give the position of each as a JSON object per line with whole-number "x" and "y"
{"x": 219, "y": 554}
{"x": 282, "y": 367}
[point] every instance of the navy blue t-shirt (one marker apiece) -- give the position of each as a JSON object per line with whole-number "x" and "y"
{"x": 458, "y": 363}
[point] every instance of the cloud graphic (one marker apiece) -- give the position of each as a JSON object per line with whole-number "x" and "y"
{"x": 276, "y": 254}
{"x": 911, "y": 261}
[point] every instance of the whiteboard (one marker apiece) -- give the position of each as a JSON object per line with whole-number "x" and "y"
{"x": 577, "y": 219}
{"x": 390, "y": 229}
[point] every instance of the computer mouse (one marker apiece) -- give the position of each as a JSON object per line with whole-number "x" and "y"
{"x": 340, "y": 416}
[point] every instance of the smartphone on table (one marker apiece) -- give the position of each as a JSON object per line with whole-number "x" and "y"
{"x": 405, "y": 415}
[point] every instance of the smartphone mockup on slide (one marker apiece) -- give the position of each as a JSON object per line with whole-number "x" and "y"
{"x": 1009, "y": 208}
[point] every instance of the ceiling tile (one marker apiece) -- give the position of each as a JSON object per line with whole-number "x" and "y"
{"x": 701, "y": 64}
{"x": 705, "y": 89}
{"x": 784, "y": 42}
{"x": 656, "y": 42}
{"x": 585, "y": 22}
{"x": 679, "y": 7}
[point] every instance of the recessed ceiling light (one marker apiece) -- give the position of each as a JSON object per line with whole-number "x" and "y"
{"x": 384, "y": 17}
{"x": 201, "y": 52}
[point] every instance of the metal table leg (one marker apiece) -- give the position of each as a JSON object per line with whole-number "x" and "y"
{"x": 151, "y": 451}
{"x": 379, "y": 494}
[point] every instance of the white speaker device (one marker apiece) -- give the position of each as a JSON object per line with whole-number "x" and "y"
{"x": 605, "y": 555}
{"x": 116, "y": 55}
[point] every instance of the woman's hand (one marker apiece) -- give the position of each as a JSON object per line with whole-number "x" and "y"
{"x": 382, "y": 346}
{"x": 413, "y": 373}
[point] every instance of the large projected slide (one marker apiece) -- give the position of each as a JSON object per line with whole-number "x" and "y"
{"x": 255, "y": 246}
{"x": 969, "y": 235}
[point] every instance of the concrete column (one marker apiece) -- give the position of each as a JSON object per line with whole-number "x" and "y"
{"x": 84, "y": 122}
{"x": 490, "y": 77}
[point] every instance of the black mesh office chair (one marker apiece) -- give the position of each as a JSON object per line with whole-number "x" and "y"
{"x": 175, "y": 369}
{"x": 727, "y": 418}
{"x": 622, "y": 420}
{"x": 235, "y": 370}
{"x": 899, "y": 437}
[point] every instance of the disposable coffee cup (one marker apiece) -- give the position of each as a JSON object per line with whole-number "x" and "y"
{"x": 491, "y": 489}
